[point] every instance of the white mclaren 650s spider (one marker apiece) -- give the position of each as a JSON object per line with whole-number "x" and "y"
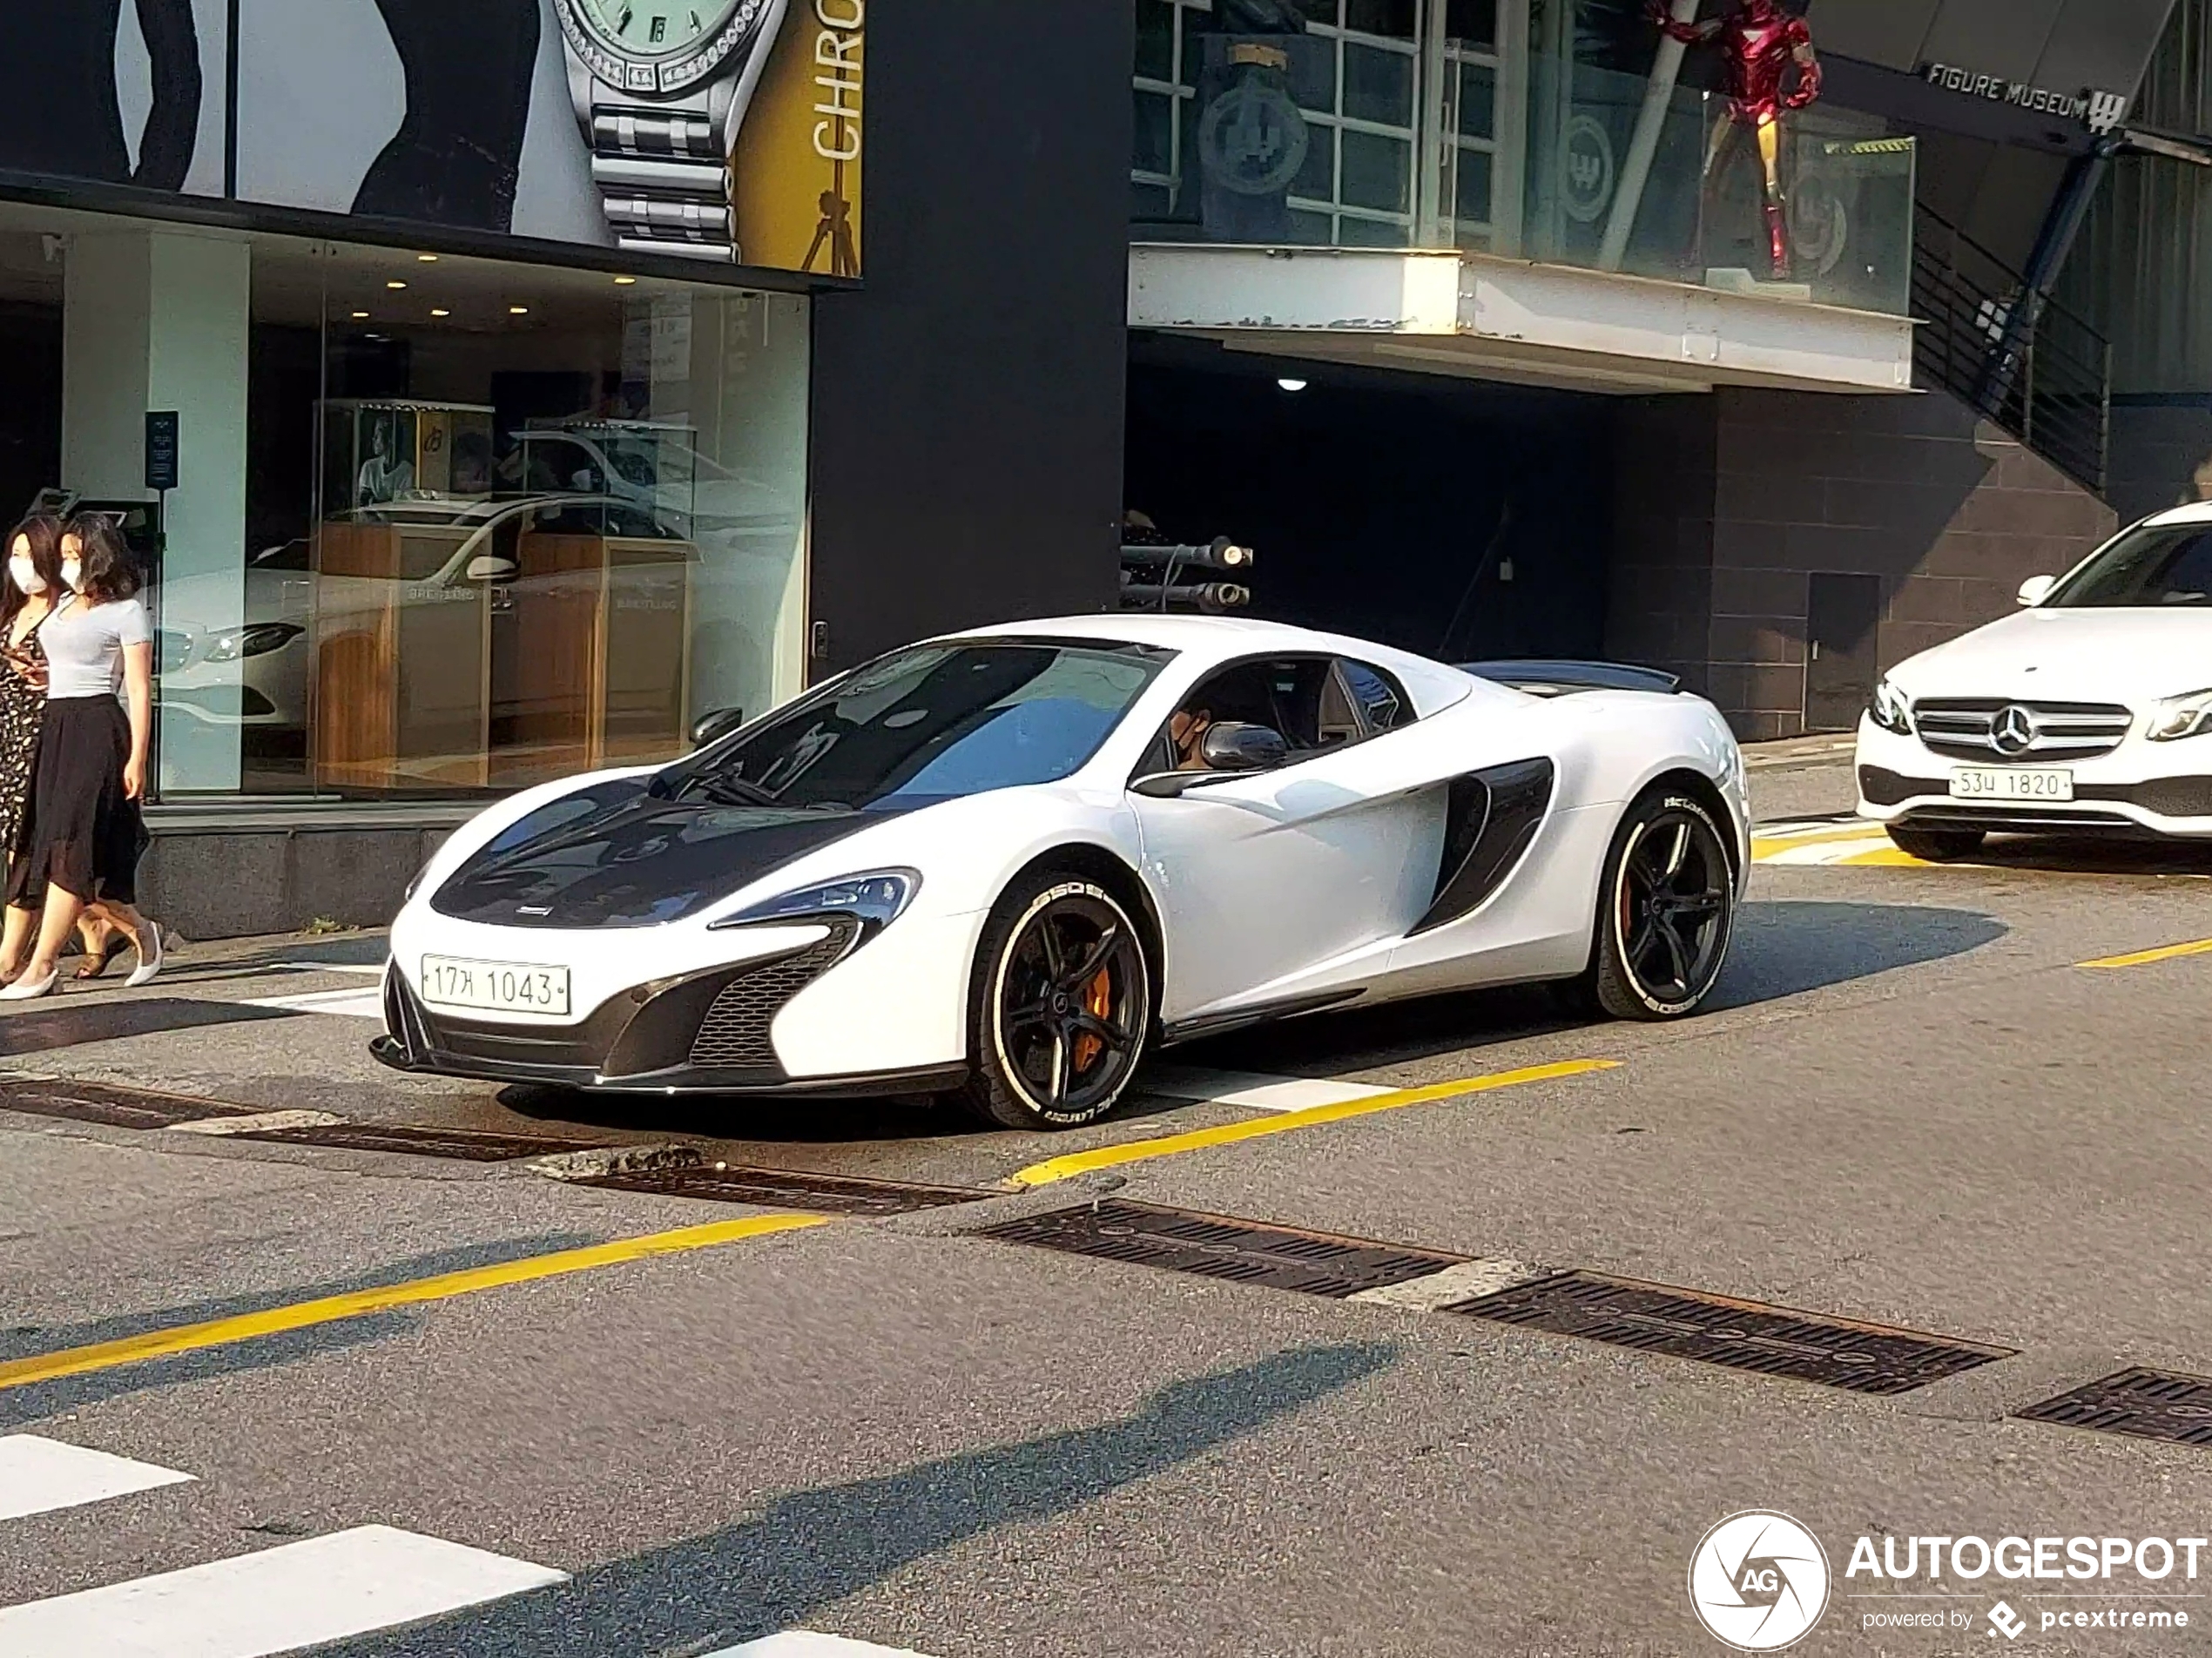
{"x": 1008, "y": 863}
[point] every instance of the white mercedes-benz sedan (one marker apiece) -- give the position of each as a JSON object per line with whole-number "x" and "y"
{"x": 1005, "y": 863}
{"x": 2088, "y": 712}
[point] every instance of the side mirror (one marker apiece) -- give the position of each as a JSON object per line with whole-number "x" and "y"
{"x": 2036, "y": 588}
{"x": 488, "y": 567}
{"x": 1233, "y": 746}
{"x": 710, "y": 727}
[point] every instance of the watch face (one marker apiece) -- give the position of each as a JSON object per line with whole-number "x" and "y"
{"x": 649, "y": 29}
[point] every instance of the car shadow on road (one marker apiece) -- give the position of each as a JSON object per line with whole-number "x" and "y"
{"x": 809, "y": 1550}
{"x": 2055, "y": 854}
{"x": 1782, "y": 948}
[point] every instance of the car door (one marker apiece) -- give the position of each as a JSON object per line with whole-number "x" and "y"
{"x": 1279, "y": 884}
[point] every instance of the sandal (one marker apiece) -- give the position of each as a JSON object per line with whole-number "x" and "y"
{"x": 94, "y": 965}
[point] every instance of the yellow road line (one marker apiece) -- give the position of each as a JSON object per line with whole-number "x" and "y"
{"x": 299, "y": 1315}
{"x": 1868, "y": 831}
{"x": 2144, "y": 958}
{"x": 1058, "y": 1168}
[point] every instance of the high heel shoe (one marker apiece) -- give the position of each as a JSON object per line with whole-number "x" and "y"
{"x": 29, "y": 989}
{"x": 149, "y": 958}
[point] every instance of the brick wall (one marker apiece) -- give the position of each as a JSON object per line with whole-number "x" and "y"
{"x": 1947, "y": 511}
{"x": 2162, "y": 454}
{"x": 1659, "y": 598}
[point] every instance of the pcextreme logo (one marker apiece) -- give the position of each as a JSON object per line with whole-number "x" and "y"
{"x": 1758, "y": 1581}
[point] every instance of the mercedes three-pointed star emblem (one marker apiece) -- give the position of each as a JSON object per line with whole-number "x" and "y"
{"x": 2012, "y": 730}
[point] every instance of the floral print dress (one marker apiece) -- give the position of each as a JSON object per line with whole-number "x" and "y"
{"x": 20, "y": 708}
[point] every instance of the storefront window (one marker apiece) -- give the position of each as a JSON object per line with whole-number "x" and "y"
{"x": 504, "y": 524}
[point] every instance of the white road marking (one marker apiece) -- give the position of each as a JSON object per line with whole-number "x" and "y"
{"x": 298, "y": 1594}
{"x": 38, "y": 1476}
{"x": 1827, "y": 841}
{"x": 1453, "y": 1284}
{"x": 258, "y": 1123}
{"x": 804, "y": 1643}
{"x": 1251, "y": 1089}
{"x": 352, "y": 1004}
{"x": 330, "y": 967}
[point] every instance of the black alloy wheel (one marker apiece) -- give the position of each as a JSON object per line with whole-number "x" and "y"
{"x": 1064, "y": 1006}
{"x": 1668, "y": 911}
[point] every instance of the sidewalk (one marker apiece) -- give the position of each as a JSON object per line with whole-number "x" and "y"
{"x": 1822, "y": 748}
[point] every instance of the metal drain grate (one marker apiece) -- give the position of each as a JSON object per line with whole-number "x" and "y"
{"x": 1217, "y": 1246}
{"x": 465, "y": 1145}
{"x": 114, "y": 1107}
{"x": 2147, "y": 1404}
{"x": 1774, "y": 1341}
{"x": 788, "y": 1189}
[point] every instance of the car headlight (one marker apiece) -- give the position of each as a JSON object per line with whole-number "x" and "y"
{"x": 1890, "y": 710}
{"x": 2186, "y": 716}
{"x": 875, "y": 899}
{"x": 257, "y": 639}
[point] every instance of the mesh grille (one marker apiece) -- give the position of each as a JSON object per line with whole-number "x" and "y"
{"x": 734, "y": 1034}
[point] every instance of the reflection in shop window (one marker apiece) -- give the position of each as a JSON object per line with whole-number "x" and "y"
{"x": 513, "y": 525}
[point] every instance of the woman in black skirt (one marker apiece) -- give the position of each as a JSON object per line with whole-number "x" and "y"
{"x": 30, "y": 589}
{"x": 84, "y": 835}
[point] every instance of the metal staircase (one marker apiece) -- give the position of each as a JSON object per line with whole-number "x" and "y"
{"x": 2021, "y": 360}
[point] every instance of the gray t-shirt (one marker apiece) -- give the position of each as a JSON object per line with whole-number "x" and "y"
{"x": 83, "y": 646}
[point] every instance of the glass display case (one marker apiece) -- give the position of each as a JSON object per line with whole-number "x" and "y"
{"x": 377, "y": 451}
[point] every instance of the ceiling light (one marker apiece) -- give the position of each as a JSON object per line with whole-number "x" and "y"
{"x": 395, "y": 284}
{"x": 1290, "y": 385}
{"x": 427, "y": 259}
{"x": 440, "y": 311}
{"x": 625, "y": 282}
{"x": 518, "y": 310}
{"x": 361, "y": 316}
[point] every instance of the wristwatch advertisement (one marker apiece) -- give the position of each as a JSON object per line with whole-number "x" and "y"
{"x": 661, "y": 88}
{"x": 721, "y": 134}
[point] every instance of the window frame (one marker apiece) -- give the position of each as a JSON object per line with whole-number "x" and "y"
{"x": 1333, "y": 661}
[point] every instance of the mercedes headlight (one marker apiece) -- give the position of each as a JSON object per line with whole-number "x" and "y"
{"x": 875, "y": 899}
{"x": 2186, "y": 716}
{"x": 1890, "y": 710}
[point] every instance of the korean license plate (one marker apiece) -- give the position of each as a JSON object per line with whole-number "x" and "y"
{"x": 2012, "y": 783}
{"x": 506, "y": 987}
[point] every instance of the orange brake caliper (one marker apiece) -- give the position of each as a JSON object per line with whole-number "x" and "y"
{"x": 1098, "y": 997}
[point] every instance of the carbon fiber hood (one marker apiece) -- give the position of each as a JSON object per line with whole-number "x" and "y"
{"x": 615, "y": 855}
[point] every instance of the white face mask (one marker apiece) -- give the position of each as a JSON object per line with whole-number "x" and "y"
{"x": 25, "y": 575}
{"x": 73, "y": 573}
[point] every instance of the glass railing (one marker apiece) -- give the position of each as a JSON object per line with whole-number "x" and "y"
{"x": 1285, "y": 140}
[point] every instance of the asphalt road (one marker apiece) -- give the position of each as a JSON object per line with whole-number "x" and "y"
{"x": 1910, "y": 1108}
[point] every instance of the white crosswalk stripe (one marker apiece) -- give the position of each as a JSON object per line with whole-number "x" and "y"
{"x": 38, "y": 1476}
{"x": 804, "y": 1643}
{"x": 274, "y": 1601}
{"x": 1252, "y": 1090}
{"x": 350, "y": 1004}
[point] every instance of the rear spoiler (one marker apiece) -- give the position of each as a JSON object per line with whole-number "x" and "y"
{"x": 1555, "y": 678}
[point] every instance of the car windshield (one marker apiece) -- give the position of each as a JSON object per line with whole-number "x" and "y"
{"x": 2152, "y": 565}
{"x": 929, "y": 724}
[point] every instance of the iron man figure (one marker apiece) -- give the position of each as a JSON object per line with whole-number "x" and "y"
{"x": 1760, "y": 45}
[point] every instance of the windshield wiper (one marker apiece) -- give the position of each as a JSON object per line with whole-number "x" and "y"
{"x": 730, "y": 791}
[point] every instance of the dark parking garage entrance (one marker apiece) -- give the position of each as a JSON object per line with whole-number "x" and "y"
{"x": 1462, "y": 519}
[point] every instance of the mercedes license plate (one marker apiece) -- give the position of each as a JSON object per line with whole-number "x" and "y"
{"x": 2012, "y": 783}
{"x": 506, "y": 987}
